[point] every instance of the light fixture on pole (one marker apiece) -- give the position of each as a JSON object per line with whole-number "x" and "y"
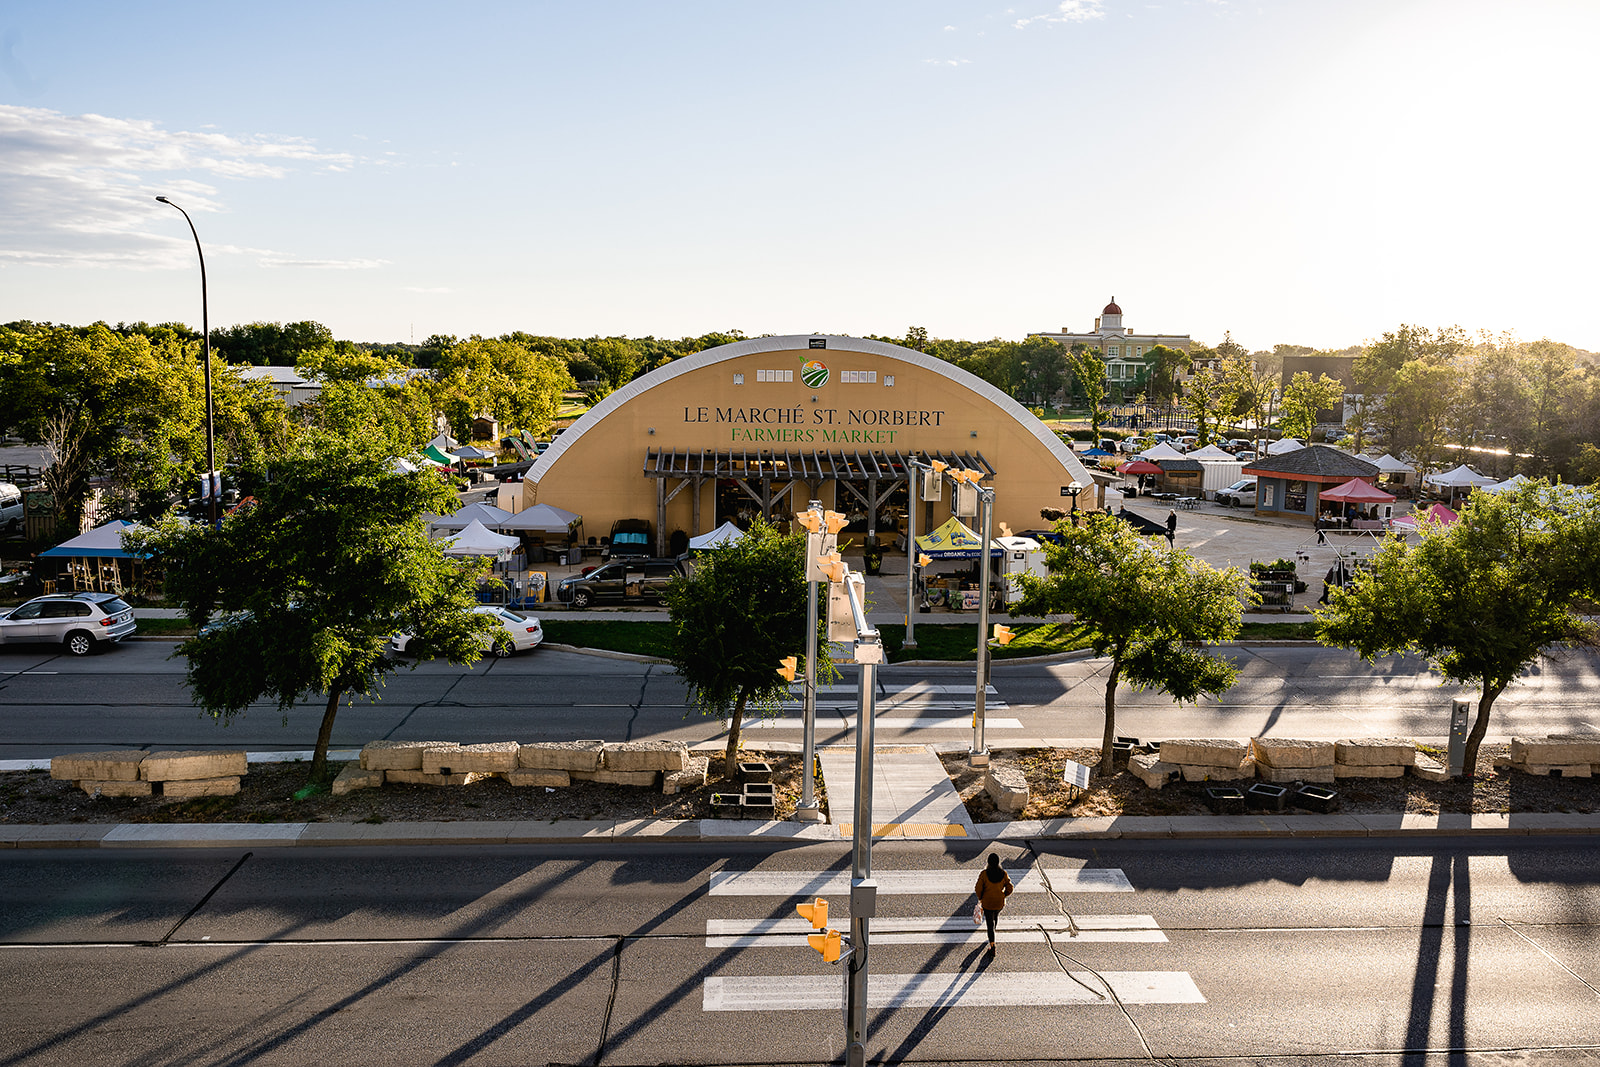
{"x": 1073, "y": 490}
{"x": 213, "y": 484}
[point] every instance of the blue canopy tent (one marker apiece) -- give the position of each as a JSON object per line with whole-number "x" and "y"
{"x": 93, "y": 560}
{"x": 99, "y": 543}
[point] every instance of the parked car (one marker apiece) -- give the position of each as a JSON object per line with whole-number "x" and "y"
{"x": 629, "y": 537}
{"x": 620, "y": 581}
{"x": 1241, "y": 494}
{"x": 10, "y": 508}
{"x": 82, "y": 622}
{"x": 517, "y": 633}
{"x": 1245, "y": 456}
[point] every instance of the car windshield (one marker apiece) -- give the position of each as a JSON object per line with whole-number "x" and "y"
{"x": 630, "y": 539}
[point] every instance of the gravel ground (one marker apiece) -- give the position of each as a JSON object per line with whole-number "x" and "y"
{"x": 267, "y": 794}
{"x": 1493, "y": 791}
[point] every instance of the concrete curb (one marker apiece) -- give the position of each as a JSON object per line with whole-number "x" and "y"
{"x": 638, "y": 831}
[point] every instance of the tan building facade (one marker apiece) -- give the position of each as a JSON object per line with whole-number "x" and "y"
{"x": 1124, "y": 351}
{"x": 766, "y": 425}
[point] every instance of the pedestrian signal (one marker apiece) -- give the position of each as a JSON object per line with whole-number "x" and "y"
{"x": 1003, "y": 634}
{"x": 810, "y": 520}
{"x": 788, "y": 667}
{"x": 923, "y": 559}
{"x": 828, "y": 943}
{"x": 835, "y": 522}
{"x": 815, "y": 913}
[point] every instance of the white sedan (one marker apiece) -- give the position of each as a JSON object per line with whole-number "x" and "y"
{"x": 517, "y": 632}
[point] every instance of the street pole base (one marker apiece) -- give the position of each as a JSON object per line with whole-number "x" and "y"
{"x": 856, "y": 1055}
{"x": 908, "y": 644}
{"x": 978, "y": 759}
{"x": 808, "y": 814}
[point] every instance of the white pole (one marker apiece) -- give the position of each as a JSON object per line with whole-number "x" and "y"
{"x": 979, "y": 754}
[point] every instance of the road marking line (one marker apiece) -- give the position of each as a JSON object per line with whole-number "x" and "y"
{"x": 906, "y": 883}
{"x": 963, "y": 722}
{"x": 942, "y": 930}
{"x": 955, "y": 990}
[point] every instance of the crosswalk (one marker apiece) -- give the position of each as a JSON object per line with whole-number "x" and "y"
{"x": 915, "y": 706}
{"x": 809, "y": 990}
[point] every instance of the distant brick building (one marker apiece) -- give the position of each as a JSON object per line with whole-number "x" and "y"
{"x": 1123, "y": 349}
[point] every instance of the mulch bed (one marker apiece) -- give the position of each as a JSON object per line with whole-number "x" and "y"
{"x": 266, "y": 794}
{"x": 1492, "y": 791}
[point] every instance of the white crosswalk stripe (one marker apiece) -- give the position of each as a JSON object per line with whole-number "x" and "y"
{"x": 953, "y": 989}
{"x": 887, "y": 722}
{"x": 943, "y": 930}
{"x": 898, "y": 882}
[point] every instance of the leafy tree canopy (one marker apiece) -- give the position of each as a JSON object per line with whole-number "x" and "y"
{"x": 1150, "y": 609}
{"x": 1482, "y": 598}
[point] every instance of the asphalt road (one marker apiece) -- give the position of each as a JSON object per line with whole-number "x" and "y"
{"x": 134, "y": 696}
{"x": 1371, "y": 951}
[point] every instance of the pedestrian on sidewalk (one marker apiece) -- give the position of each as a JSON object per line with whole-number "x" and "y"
{"x": 1172, "y": 527}
{"x": 994, "y": 885}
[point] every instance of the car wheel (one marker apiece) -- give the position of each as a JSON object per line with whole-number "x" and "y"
{"x": 503, "y": 649}
{"x": 80, "y": 643}
{"x": 580, "y": 599}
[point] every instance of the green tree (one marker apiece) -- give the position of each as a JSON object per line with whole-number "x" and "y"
{"x": 1148, "y": 608}
{"x": 520, "y": 388}
{"x": 1255, "y": 384}
{"x": 1303, "y": 399}
{"x": 734, "y": 618}
{"x": 1207, "y": 398}
{"x": 1482, "y": 598}
{"x": 1088, "y": 368}
{"x": 1164, "y": 366}
{"x": 311, "y": 581}
{"x": 1420, "y": 408}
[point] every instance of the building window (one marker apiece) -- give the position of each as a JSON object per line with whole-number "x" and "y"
{"x": 1113, "y": 351}
{"x": 738, "y": 379}
{"x": 888, "y": 379}
{"x": 858, "y": 377}
{"x": 1294, "y": 496}
{"x": 774, "y": 375}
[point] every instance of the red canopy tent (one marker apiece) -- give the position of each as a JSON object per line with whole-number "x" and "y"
{"x": 1139, "y": 466}
{"x": 1438, "y": 513}
{"x": 1356, "y": 491}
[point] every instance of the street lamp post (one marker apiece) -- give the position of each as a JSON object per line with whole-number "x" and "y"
{"x": 213, "y": 487}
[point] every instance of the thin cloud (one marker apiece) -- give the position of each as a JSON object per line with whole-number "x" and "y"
{"x": 324, "y": 264}
{"x": 427, "y": 289}
{"x": 948, "y": 62}
{"x": 80, "y": 190}
{"x": 1066, "y": 11}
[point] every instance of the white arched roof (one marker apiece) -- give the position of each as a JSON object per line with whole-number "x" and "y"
{"x": 801, "y": 342}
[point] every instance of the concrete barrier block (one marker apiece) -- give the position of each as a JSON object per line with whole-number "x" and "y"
{"x": 1148, "y": 768}
{"x": 115, "y": 787}
{"x": 1375, "y": 752}
{"x": 691, "y": 777}
{"x": 607, "y": 776}
{"x": 116, "y": 765}
{"x": 1285, "y": 775}
{"x": 355, "y": 777}
{"x": 647, "y": 756}
{"x": 396, "y": 755}
{"x": 193, "y": 766}
{"x": 1557, "y": 750}
{"x": 190, "y": 788}
{"x": 1369, "y": 770}
{"x": 493, "y": 757}
{"x": 424, "y": 778}
{"x": 549, "y": 778}
{"x": 561, "y": 756}
{"x": 1284, "y": 752}
{"x": 1215, "y": 752}
{"x": 1429, "y": 769}
{"x": 1559, "y": 770}
{"x": 1203, "y": 773}
{"x": 1007, "y": 786}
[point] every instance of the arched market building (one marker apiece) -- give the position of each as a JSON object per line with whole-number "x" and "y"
{"x": 766, "y": 425}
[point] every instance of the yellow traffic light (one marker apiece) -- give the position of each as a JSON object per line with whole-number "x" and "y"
{"x": 923, "y": 559}
{"x": 939, "y": 466}
{"x": 828, "y": 943}
{"x": 835, "y": 522}
{"x": 832, "y": 566}
{"x": 788, "y": 667}
{"x": 815, "y": 913}
{"x": 1003, "y": 634}
{"x": 810, "y": 520}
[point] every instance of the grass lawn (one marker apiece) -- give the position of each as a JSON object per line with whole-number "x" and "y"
{"x": 640, "y": 638}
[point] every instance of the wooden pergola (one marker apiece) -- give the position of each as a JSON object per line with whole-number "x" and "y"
{"x": 768, "y": 477}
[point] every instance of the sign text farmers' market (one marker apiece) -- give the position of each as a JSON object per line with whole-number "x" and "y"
{"x": 803, "y": 425}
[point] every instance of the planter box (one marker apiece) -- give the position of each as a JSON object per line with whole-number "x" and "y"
{"x": 760, "y": 804}
{"x": 759, "y": 789}
{"x": 1264, "y": 796}
{"x": 1317, "y": 798}
{"x": 726, "y": 802}
{"x": 1224, "y": 800}
{"x": 1121, "y": 749}
{"x": 755, "y": 771}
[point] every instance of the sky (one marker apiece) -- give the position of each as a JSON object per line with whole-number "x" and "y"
{"x": 1285, "y": 170}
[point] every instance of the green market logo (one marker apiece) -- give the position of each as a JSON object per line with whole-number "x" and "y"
{"x": 814, "y": 373}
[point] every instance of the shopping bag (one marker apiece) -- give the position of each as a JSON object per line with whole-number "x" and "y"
{"x": 977, "y": 914}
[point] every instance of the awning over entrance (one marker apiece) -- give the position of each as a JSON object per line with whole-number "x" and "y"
{"x": 768, "y": 477}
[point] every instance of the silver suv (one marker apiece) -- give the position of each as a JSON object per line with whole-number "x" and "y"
{"x": 83, "y": 622}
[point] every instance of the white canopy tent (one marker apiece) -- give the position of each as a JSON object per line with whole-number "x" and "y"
{"x": 1462, "y": 477}
{"x": 1210, "y": 454}
{"x": 485, "y": 514}
{"x": 721, "y": 537}
{"x": 1389, "y": 465}
{"x": 478, "y": 540}
{"x": 1160, "y": 451}
{"x": 1288, "y": 444}
{"x": 1511, "y": 484}
{"x": 540, "y": 518}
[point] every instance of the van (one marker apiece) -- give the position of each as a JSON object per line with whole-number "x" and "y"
{"x": 629, "y": 537}
{"x": 1241, "y": 494}
{"x": 10, "y": 508}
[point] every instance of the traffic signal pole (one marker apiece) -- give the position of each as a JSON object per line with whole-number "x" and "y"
{"x": 978, "y": 756}
{"x": 869, "y": 653}
{"x": 808, "y": 810}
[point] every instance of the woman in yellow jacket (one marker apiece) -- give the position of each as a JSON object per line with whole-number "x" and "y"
{"x": 994, "y": 885}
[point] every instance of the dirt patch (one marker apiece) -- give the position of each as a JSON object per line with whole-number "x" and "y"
{"x": 268, "y": 794}
{"x": 1492, "y": 792}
